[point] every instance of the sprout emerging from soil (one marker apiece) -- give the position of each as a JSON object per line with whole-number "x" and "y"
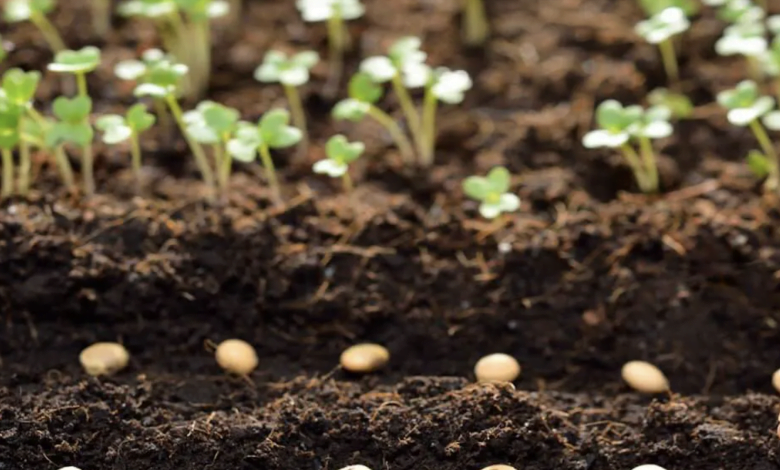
{"x": 335, "y": 12}
{"x": 291, "y": 72}
{"x": 117, "y": 129}
{"x": 476, "y": 27}
{"x": 746, "y": 108}
{"x": 271, "y": 132}
{"x": 73, "y": 127}
{"x": 447, "y": 86}
{"x": 339, "y": 154}
{"x": 363, "y": 94}
{"x": 213, "y": 124}
{"x": 492, "y": 191}
{"x": 619, "y": 125}
{"x": 78, "y": 63}
{"x": 35, "y": 11}
{"x": 660, "y": 29}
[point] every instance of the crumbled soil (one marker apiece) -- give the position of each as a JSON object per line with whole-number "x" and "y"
{"x": 588, "y": 275}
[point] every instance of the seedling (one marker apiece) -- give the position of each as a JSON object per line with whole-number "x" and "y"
{"x": 291, "y": 72}
{"x": 117, "y": 129}
{"x": 78, "y": 63}
{"x": 745, "y": 108}
{"x": 35, "y": 11}
{"x": 271, "y": 132}
{"x": 618, "y": 125}
{"x": 660, "y": 29}
{"x": 492, "y": 191}
{"x": 73, "y": 127}
{"x": 339, "y": 154}
{"x": 139, "y": 72}
{"x": 449, "y": 87}
{"x": 363, "y": 94}
{"x": 16, "y": 95}
{"x": 214, "y": 124}
{"x": 747, "y": 39}
{"x": 335, "y": 12}
{"x": 476, "y": 27}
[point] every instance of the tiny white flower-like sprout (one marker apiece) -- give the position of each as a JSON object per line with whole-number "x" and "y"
{"x": 493, "y": 192}
{"x": 291, "y": 71}
{"x": 771, "y": 120}
{"x": 130, "y": 69}
{"x": 741, "y": 11}
{"x": 744, "y": 103}
{"x": 340, "y": 153}
{"x": 404, "y": 56}
{"x": 662, "y": 26}
{"x": 322, "y": 10}
{"x": 416, "y": 75}
{"x": 450, "y": 86}
{"x": 380, "y": 68}
{"x": 615, "y": 122}
{"x": 748, "y": 39}
{"x": 654, "y": 123}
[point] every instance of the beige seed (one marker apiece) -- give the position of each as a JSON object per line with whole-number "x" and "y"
{"x": 236, "y": 356}
{"x": 499, "y": 467}
{"x": 644, "y": 377}
{"x": 497, "y": 367}
{"x": 364, "y": 358}
{"x": 104, "y": 358}
{"x": 776, "y": 380}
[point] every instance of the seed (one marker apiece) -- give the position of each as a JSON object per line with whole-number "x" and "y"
{"x": 648, "y": 466}
{"x": 104, "y": 358}
{"x": 499, "y": 467}
{"x": 364, "y": 358}
{"x": 497, "y": 367}
{"x": 356, "y": 467}
{"x": 236, "y": 356}
{"x": 776, "y": 380}
{"x": 644, "y": 377}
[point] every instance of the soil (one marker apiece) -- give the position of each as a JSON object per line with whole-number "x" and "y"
{"x": 588, "y": 275}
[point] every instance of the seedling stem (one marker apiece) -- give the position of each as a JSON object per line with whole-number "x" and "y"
{"x": 8, "y": 173}
{"x": 773, "y": 180}
{"x": 48, "y": 31}
{"x": 636, "y": 165}
{"x": 410, "y": 112}
{"x": 337, "y": 44}
{"x": 669, "y": 59}
{"x": 66, "y": 171}
{"x": 475, "y": 24}
{"x": 429, "y": 128}
{"x": 197, "y": 151}
{"x": 87, "y": 172}
{"x": 297, "y": 113}
{"x": 347, "y": 180}
{"x": 101, "y": 16}
{"x": 25, "y": 165}
{"x": 270, "y": 170}
{"x": 135, "y": 153}
{"x": 81, "y": 81}
{"x": 407, "y": 152}
{"x": 648, "y": 158}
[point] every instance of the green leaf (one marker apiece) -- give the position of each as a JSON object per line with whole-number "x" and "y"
{"x": 758, "y": 163}
{"x": 83, "y": 60}
{"x": 220, "y": 118}
{"x": 342, "y": 151}
{"x": 80, "y": 134}
{"x": 499, "y": 179}
{"x": 350, "y": 109}
{"x": 243, "y": 147}
{"x": 363, "y": 88}
{"x": 679, "y": 104}
{"x": 72, "y": 110}
{"x": 139, "y": 119}
{"x": 114, "y": 127}
{"x": 477, "y": 187}
{"x": 20, "y": 86}
{"x": 275, "y": 131}
{"x": 609, "y": 114}
{"x": 9, "y": 128}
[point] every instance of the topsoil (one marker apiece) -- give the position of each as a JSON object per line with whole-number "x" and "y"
{"x": 587, "y": 275}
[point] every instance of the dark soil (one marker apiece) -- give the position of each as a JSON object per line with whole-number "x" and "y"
{"x": 586, "y": 277}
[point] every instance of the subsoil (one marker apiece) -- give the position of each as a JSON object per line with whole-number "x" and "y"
{"x": 588, "y": 275}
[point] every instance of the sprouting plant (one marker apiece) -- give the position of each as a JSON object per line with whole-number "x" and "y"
{"x": 363, "y": 94}
{"x": 660, "y": 29}
{"x": 680, "y": 105}
{"x": 291, "y": 72}
{"x": 271, "y": 132}
{"x": 78, "y": 63}
{"x": 738, "y": 11}
{"x": 770, "y": 63}
{"x": 139, "y": 72}
{"x": 335, "y": 12}
{"x": 214, "y": 124}
{"x": 747, "y": 39}
{"x": 746, "y": 107}
{"x": 449, "y": 87}
{"x": 73, "y": 127}
{"x": 35, "y": 11}
{"x": 9, "y": 139}
{"x": 492, "y": 191}
{"x": 16, "y": 95}
{"x": 476, "y": 27}
{"x": 339, "y": 154}
{"x": 619, "y": 125}
{"x": 117, "y": 129}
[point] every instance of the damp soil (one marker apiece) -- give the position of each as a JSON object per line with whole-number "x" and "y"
{"x": 587, "y": 275}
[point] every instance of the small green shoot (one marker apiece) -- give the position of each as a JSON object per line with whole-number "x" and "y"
{"x": 449, "y": 87}
{"x": 679, "y": 104}
{"x": 292, "y": 72}
{"x": 492, "y": 191}
{"x": 117, "y": 129}
{"x": 78, "y": 63}
{"x": 339, "y": 154}
{"x": 271, "y": 132}
{"x": 746, "y": 106}
{"x": 214, "y": 124}
{"x": 35, "y": 11}
{"x": 661, "y": 29}
{"x": 475, "y": 25}
{"x": 9, "y": 139}
{"x": 73, "y": 127}
{"x": 738, "y": 11}
{"x": 3, "y": 52}
{"x": 747, "y": 39}
{"x": 18, "y": 91}
{"x": 363, "y": 95}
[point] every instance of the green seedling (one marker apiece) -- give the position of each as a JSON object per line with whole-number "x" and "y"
{"x": 214, "y": 124}
{"x": 335, "y": 12}
{"x": 680, "y": 105}
{"x": 492, "y": 191}
{"x": 9, "y": 139}
{"x": 271, "y": 132}
{"x": 35, "y": 11}
{"x": 339, "y": 154}
{"x": 746, "y": 106}
{"x": 654, "y": 7}
{"x": 620, "y": 125}
{"x": 18, "y": 91}
{"x": 162, "y": 81}
{"x": 79, "y": 63}
{"x": 747, "y": 39}
{"x": 449, "y": 87}
{"x": 476, "y": 28}
{"x": 292, "y": 72}
{"x": 3, "y": 52}
{"x": 660, "y": 29}
{"x": 139, "y": 71}
{"x": 363, "y": 96}
{"x": 738, "y": 11}
{"x": 73, "y": 127}
{"x": 117, "y": 129}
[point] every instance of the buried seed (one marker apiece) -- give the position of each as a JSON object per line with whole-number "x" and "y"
{"x": 236, "y": 356}
{"x": 644, "y": 377}
{"x": 104, "y": 358}
{"x": 499, "y": 467}
{"x": 364, "y": 358}
{"x": 649, "y": 466}
{"x": 355, "y": 467}
{"x": 776, "y": 380}
{"x": 497, "y": 367}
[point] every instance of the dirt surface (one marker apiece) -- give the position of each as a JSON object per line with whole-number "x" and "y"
{"x": 588, "y": 275}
